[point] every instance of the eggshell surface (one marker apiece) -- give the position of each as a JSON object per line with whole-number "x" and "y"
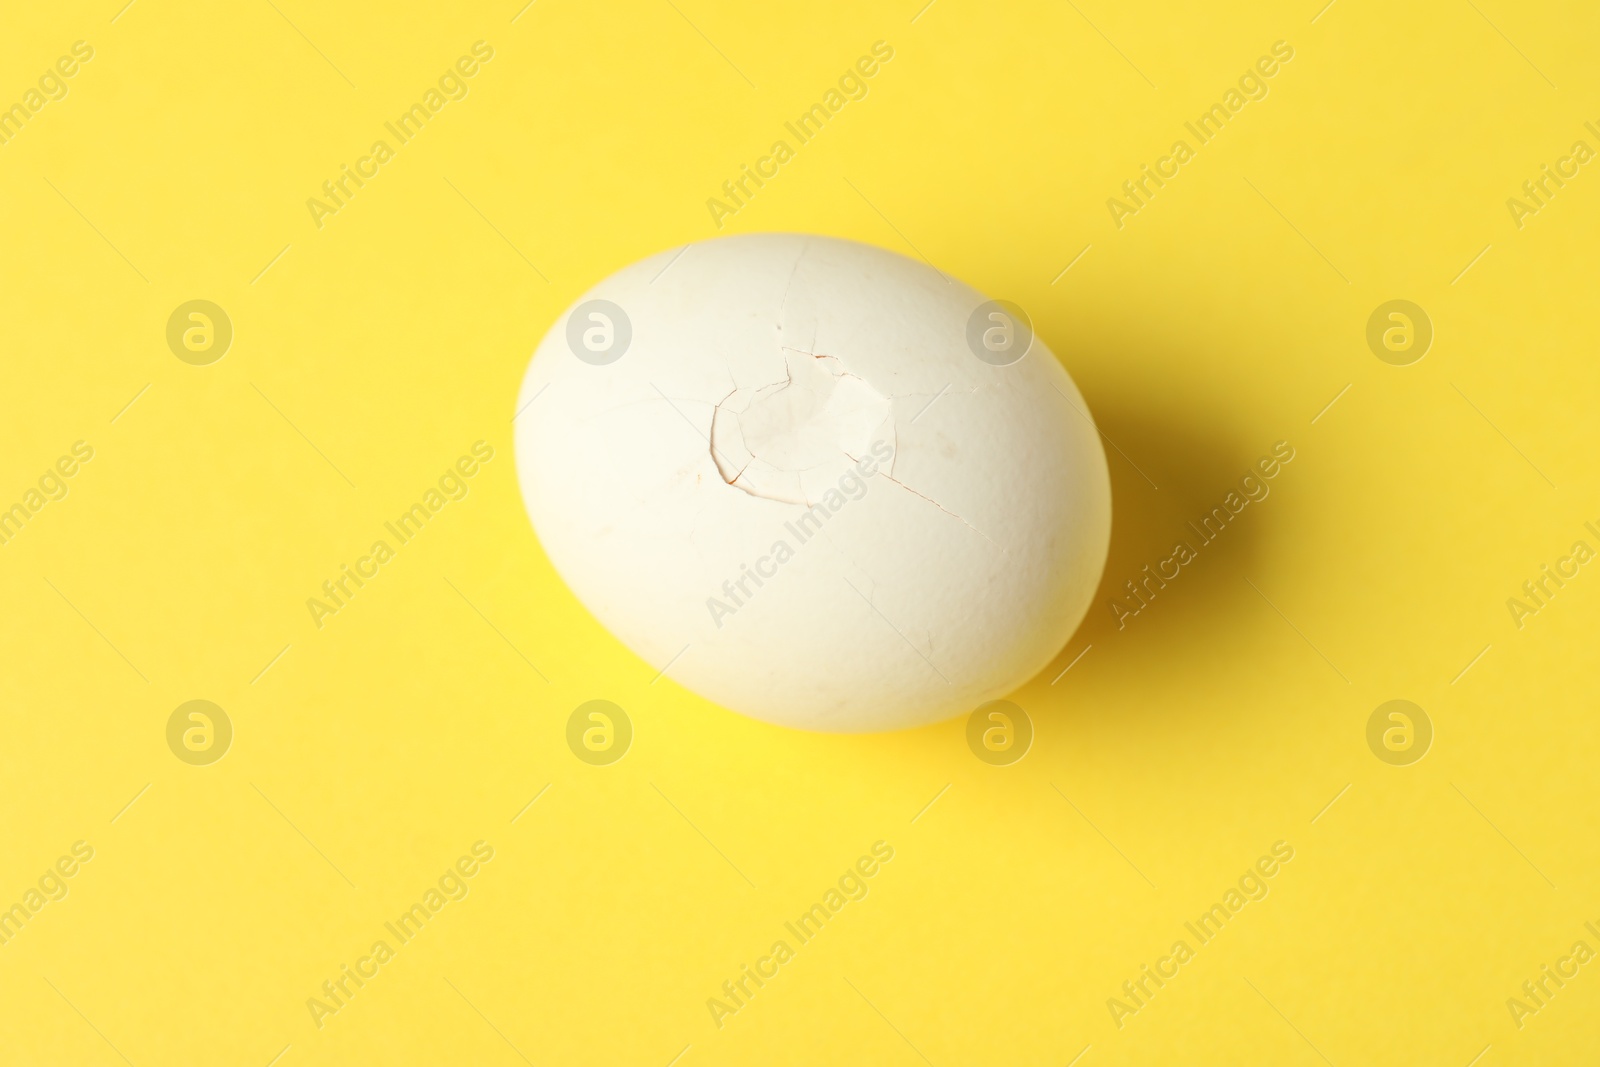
{"x": 814, "y": 481}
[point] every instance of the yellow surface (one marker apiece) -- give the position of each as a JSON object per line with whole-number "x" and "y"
{"x": 370, "y": 753}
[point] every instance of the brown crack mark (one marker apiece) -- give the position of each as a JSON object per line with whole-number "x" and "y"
{"x": 935, "y": 503}
{"x": 783, "y": 302}
{"x": 839, "y": 372}
{"x": 756, "y": 394}
{"x": 717, "y": 458}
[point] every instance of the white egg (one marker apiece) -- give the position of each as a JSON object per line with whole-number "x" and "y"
{"x": 814, "y": 481}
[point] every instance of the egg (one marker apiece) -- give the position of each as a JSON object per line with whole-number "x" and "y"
{"x": 814, "y": 481}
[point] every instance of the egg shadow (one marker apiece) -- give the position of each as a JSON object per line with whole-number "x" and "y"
{"x": 1169, "y": 469}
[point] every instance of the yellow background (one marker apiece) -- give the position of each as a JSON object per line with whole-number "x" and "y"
{"x": 1224, "y": 317}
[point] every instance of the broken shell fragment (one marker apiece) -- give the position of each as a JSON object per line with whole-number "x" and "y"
{"x": 815, "y": 486}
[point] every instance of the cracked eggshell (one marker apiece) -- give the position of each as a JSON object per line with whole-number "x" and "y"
{"x": 773, "y": 467}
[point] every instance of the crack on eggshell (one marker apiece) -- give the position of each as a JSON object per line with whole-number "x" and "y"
{"x": 779, "y": 441}
{"x": 783, "y": 301}
{"x": 941, "y": 507}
